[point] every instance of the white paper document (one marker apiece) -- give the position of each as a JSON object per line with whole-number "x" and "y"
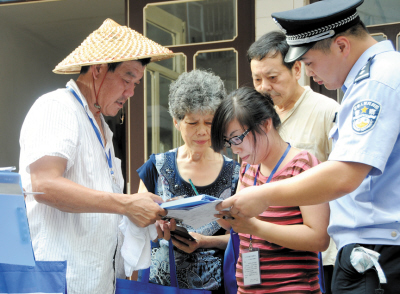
{"x": 197, "y": 216}
{"x": 8, "y": 168}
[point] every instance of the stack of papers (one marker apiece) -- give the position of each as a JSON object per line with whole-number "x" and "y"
{"x": 8, "y": 168}
{"x": 195, "y": 211}
{"x": 15, "y": 239}
{"x": 189, "y": 203}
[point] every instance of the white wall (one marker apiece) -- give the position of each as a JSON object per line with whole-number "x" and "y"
{"x": 265, "y": 24}
{"x": 35, "y": 37}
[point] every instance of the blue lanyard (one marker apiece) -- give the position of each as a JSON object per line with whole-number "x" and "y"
{"x": 269, "y": 179}
{"x": 275, "y": 168}
{"x": 96, "y": 130}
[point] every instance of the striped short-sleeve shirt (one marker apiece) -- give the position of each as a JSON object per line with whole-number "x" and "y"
{"x": 58, "y": 125}
{"x": 283, "y": 270}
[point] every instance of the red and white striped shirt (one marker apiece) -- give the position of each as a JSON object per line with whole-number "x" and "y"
{"x": 283, "y": 270}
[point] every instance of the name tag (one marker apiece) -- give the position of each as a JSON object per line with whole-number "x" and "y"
{"x": 251, "y": 267}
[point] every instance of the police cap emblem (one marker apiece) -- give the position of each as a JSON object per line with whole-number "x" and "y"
{"x": 365, "y": 116}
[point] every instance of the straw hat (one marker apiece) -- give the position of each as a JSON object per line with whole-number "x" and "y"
{"x": 112, "y": 42}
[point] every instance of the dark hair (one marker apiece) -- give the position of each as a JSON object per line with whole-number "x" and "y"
{"x": 114, "y": 65}
{"x": 359, "y": 30}
{"x": 249, "y": 107}
{"x": 270, "y": 44}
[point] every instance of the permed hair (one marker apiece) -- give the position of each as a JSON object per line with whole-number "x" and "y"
{"x": 249, "y": 107}
{"x": 197, "y": 91}
{"x": 270, "y": 44}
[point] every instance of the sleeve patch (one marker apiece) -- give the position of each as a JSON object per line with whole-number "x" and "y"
{"x": 365, "y": 115}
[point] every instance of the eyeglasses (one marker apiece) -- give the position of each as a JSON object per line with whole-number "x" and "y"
{"x": 235, "y": 140}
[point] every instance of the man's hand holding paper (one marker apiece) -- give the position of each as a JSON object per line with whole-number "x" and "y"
{"x": 195, "y": 211}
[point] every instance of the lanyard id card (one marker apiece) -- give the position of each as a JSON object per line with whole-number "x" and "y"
{"x": 251, "y": 267}
{"x": 108, "y": 157}
{"x": 251, "y": 257}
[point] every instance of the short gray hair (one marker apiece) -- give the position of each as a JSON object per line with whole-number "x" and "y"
{"x": 195, "y": 91}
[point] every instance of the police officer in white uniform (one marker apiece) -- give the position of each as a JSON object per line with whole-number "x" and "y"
{"x": 361, "y": 178}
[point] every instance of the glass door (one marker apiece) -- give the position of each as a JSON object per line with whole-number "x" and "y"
{"x": 185, "y": 23}
{"x": 207, "y": 35}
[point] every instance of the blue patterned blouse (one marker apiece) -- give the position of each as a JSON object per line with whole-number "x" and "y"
{"x": 201, "y": 269}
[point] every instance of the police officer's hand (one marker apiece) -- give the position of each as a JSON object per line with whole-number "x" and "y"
{"x": 143, "y": 209}
{"x": 248, "y": 202}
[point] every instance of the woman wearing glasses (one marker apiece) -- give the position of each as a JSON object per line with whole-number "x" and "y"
{"x": 193, "y": 99}
{"x": 286, "y": 240}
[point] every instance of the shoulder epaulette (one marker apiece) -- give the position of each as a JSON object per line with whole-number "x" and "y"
{"x": 364, "y": 71}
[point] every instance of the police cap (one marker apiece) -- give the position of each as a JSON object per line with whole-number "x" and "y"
{"x": 312, "y": 23}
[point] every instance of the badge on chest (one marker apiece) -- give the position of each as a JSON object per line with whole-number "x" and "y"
{"x": 251, "y": 267}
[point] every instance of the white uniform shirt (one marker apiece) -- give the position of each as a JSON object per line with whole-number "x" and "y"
{"x": 368, "y": 132}
{"x": 58, "y": 125}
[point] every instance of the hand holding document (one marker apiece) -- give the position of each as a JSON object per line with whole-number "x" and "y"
{"x": 193, "y": 211}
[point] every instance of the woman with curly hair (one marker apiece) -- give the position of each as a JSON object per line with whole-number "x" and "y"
{"x": 193, "y": 99}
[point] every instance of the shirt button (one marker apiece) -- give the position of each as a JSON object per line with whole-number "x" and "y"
{"x": 394, "y": 234}
{"x": 176, "y": 186}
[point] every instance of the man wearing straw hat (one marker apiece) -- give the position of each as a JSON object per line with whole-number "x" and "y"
{"x": 67, "y": 153}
